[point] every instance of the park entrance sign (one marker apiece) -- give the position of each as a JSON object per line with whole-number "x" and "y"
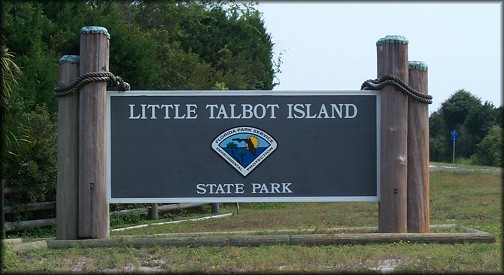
{"x": 242, "y": 146}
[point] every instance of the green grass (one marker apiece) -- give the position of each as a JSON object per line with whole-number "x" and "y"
{"x": 469, "y": 199}
{"x": 464, "y": 163}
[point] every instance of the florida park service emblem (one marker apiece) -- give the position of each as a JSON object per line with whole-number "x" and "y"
{"x": 244, "y": 147}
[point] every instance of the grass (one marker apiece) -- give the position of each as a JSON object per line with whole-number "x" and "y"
{"x": 464, "y": 163}
{"x": 469, "y": 199}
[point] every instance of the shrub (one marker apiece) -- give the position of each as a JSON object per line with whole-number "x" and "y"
{"x": 489, "y": 150}
{"x": 31, "y": 156}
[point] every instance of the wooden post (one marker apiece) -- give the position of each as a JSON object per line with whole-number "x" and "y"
{"x": 418, "y": 152}
{"x": 68, "y": 153}
{"x": 215, "y": 208}
{"x": 93, "y": 207}
{"x": 153, "y": 211}
{"x": 392, "y": 58}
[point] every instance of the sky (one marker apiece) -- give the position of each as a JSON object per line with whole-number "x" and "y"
{"x": 331, "y": 45}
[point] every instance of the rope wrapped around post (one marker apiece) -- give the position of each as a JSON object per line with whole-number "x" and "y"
{"x": 112, "y": 81}
{"x": 377, "y": 84}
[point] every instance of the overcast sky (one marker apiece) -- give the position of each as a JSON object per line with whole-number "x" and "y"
{"x": 331, "y": 45}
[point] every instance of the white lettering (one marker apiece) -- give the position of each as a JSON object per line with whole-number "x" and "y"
{"x": 143, "y": 111}
{"x": 201, "y": 189}
{"x": 131, "y": 107}
{"x": 271, "y": 188}
{"x": 336, "y": 109}
{"x": 285, "y": 187}
{"x": 272, "y": 109}
{"x": 233, "y": 116}
{"x": 255, "y": 186}
{"x": 222, "y": 111}
{"x": 153, "y": 110}
{"x": 308, "y": 107}
{"x": 347, "y": 110}
{"x": 167, "y": 110}
{"x": 247, "y": 110}
{"x": 309, "y": 111}
{"x": 191, "y": 111}
{"x": 323, "y": 110}
{"x": 220, "y": 188}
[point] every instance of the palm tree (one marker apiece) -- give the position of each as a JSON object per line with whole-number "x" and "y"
{"x": 9, "y": 73}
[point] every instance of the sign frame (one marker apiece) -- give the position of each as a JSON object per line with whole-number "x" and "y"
{"x": 240, "y": 93}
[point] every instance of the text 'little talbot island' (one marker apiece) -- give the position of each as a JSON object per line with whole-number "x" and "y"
{"x": 243, "y": 111}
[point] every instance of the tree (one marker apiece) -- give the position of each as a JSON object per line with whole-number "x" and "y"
{"x": 478, "y": 122}
{"x": 10, "y": 72}
{"x": 230, "y": 39}
{"x": 242, "y": 153}
{"x": 489, "y": 150}
{"x": 177, "y": 45}
{"x": 455, "y": 111}
{"x": 465, "y": 113}
{"x": 26, "y": 32}
{"x": 232, "y": 146}
{"x": 456, "y": 108}
{"x": 437, "y": 146}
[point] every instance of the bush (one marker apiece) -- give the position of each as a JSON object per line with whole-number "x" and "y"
{"x": 489, "y": 150}
{"x": 439, "y": 149}
{"x": 31, "y": 156}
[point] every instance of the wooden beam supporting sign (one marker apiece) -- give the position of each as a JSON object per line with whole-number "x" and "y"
{"x": 392, "y": 58}
{"x": 418, "y": 152}
{"x": 395, "y": 126}
{"x": 93, "y": 207}
{"x": 68, "y": 153}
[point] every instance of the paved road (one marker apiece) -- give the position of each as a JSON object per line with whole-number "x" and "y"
{"x": 463, "y": 169}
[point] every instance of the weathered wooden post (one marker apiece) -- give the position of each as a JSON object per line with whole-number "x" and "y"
{"x": 215, "y": 208}
{"x": 418, "y": 152}
{"x": 68, "y": 153}
{"x": 392, "y": 58}
{"x": 154, "y": 211}
{"x": 93, "y": 207}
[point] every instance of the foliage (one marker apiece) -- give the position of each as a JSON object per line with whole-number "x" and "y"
{"x": 10, "y": 71}
{"x": 36, "y": 232}
{"x": 31, "y": 156}
{"x": 465, "y": 113}
{"x": 154, "y": 45}
{"x": 437, "y": 140}
{"x": 175, "y": 45}
{"x": 117, "y": 220}
{"x": 26, "y": 31}
{"x": 456, "y": 108}
{"x": 489, "y": 150}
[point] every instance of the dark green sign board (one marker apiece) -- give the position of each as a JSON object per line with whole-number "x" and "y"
{"x": 242, "y": 146}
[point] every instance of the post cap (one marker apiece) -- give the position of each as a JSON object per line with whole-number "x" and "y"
{"x": 392, "y": 39}
{"x": 418, "y": 65}
{"x": 72, "y": 59}
{"x": 94, "y": 29}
